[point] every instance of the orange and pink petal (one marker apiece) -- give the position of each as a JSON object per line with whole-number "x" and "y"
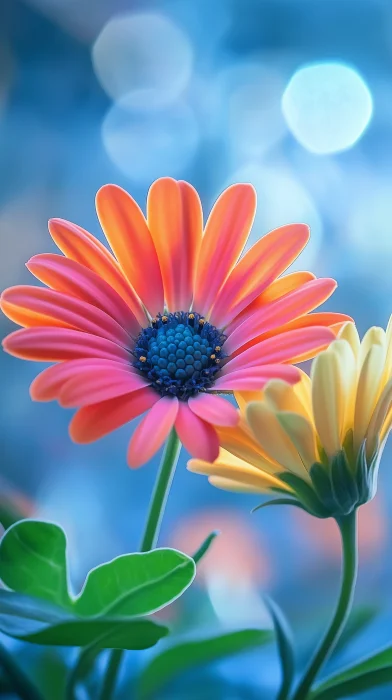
{"x": 281, "y": 311}
{"x": 93, "y": 422}
{"x": 69, "y": 277}
{"x": 285, "y": 347}
{"x": 82, "y": 247}
{"x": 175, "y": 220}
{"x": 38, "y": 306}
{"x": 56, "y": 344}
{"x": 256, "y": 377}
{"x": 197, "y": 436}
{"x": 48, "y": 384}
{"x": 126, "y": 229}
{"x": 225, "y": 236}
{"x": 259, "y": 267}
{"x": 152, "y": 431}
{"x": 214, "y": 409}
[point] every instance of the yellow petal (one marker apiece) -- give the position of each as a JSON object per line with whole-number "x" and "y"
{"x": 242, "y": 487}
{"x": 350, "y": 333}
{"x": 303, "y": 390}
{"x": 380, "y": 413}
{"x": 301, "y": 434}
{"x": 239, "y": 442}
{"x": 348, "y": 373}
{"x": 245, "y": 397}
{"x": 374, "y": 336}
{"x": 327, "y": 400}
{"x": 282, "y": 397}
{"x": 388, "y": 359}
{"x": 387, "y": 426}
{"x": 368, "y": 391}
{"x": 229, "y": 467}
{"x": 273, "y": 439}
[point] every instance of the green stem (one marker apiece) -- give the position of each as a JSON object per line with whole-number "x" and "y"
{"x": 149, "y": 540}
{"x": 20, "y": 683}
{"x": 161, "y": 492}
{"x": 348, "y": 531}
{"x": 109, "y": 681}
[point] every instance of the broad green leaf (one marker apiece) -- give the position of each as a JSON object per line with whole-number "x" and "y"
{"x": 369, "y": 673}
{"x": 285, "y": 646}
{"x": 359, "y": 619}
{"x": 33, "y": 561}
{"x": 136, "y": 584}
{"x": 185, "y": 655}
{"x": 34, "y": 620}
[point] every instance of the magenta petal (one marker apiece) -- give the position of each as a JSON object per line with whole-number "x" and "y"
{"x": 197, "y": 436}
{"x": 97, "y": 385}
{"x": 255, "y": 377}
{"x": 214, "y": 410}
{"x": 152, "y": 431}
{"x": 48, "y": 384}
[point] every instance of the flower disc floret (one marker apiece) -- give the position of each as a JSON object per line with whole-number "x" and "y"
{"x": 180, "y": 353}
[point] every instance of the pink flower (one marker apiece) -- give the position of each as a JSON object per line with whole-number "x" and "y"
{"x": 169, "y": 319}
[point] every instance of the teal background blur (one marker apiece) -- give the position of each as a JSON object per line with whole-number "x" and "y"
{"x": 294, "y": 96}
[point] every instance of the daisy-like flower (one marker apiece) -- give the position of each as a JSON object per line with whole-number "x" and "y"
{"x": 168, "y": 320}
{"x": 320, "y": 441}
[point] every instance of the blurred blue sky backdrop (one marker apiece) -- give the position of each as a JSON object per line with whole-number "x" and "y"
{"x": 294, "y": 96}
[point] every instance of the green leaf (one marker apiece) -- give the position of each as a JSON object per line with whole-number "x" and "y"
{"x": 285, "y": 646}
{"x": 34, "y": 620}
{"x": 185, "y": 655}
{"x": 204, "y": 547}
{"x": 369, "y": 673}
{"x": 359, "y": 619}
{"x": 33, "y": 561}
{"x": 136, "y": 584}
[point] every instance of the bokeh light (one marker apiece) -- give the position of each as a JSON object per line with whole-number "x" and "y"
{"x": 251, "y": 91}
{"x": 145, "y": 56}
{"x": 327, "y": 107}
{"x": 283, "y": 199}
{"x": 147, "y": 145}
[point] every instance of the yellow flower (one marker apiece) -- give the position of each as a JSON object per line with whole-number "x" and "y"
{"x": 318, "y": 442}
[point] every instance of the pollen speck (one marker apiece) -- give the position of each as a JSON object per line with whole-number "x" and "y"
{"x": 142, "y": 358}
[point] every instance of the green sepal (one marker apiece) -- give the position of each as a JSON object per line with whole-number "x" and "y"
{"x": 305, "y": 493}
{"x": 280, "y": 502}
{"x": 344, "y": 485}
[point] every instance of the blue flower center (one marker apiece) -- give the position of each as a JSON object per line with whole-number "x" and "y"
{"x": 180, "y": 353}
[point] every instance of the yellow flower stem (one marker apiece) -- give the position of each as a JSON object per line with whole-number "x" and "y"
{"x": 348, "y": 531}
{"x": 149, "y": 540}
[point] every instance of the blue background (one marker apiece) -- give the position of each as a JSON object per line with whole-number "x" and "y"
{"x": 121, "y": 91}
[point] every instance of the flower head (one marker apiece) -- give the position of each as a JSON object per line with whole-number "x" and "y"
{"x": 319, "y": 442}
{"x": 167, "y": 320}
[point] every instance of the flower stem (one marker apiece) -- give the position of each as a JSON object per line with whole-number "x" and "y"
{"x": 348, "y": 531}
{"x": 150, "y": 536}
{"x": 109, "y": 681}
{"x": 161, "y": 492}
{"x": 20, "y": 683}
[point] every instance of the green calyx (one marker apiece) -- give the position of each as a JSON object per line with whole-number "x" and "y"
{"x": 337, "y": 486}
